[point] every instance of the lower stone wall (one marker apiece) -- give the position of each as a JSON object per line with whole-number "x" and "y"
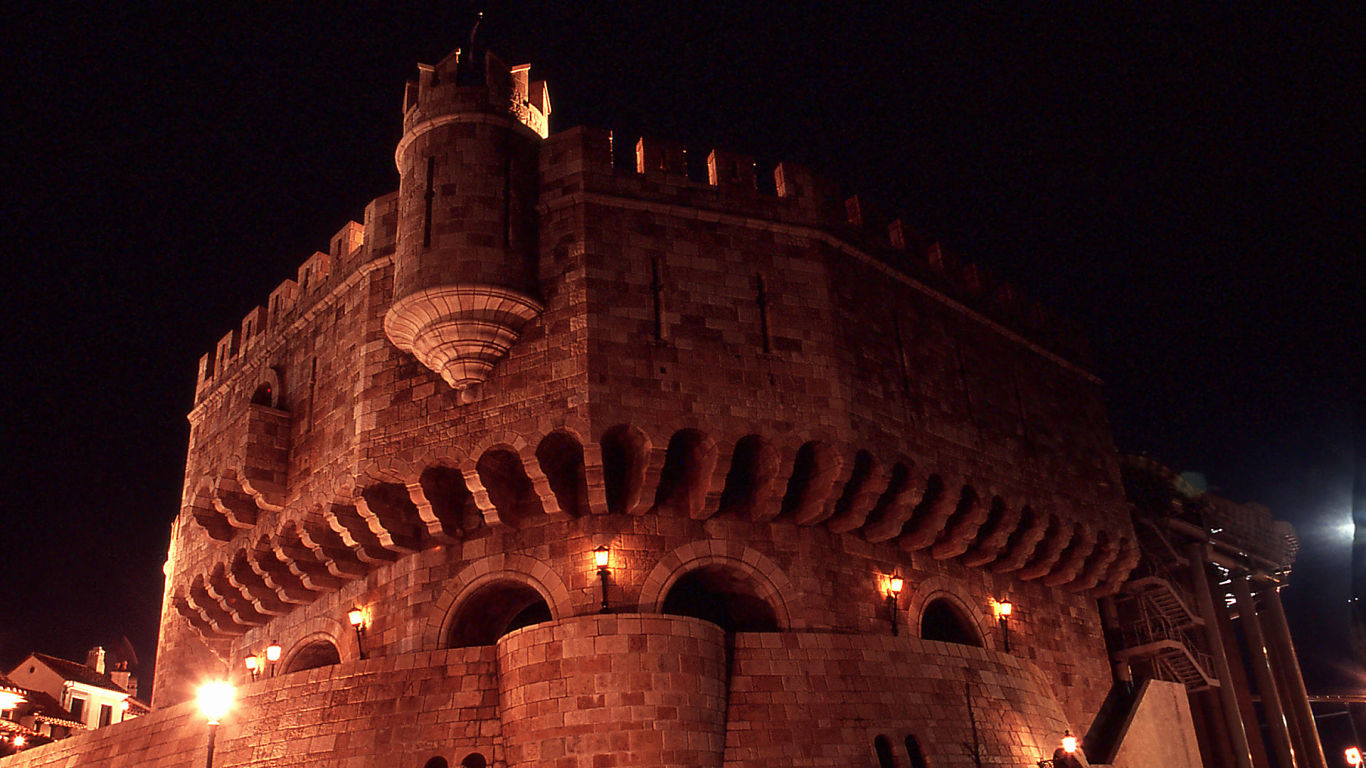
{"x": 614, "y": 690}
{"x": 396, "y": 711}
{"x": 620, "y": 691}
{"x": 821, "y": 700}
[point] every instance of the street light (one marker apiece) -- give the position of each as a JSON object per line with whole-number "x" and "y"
{"x": 1003, "y": 611}
{"x": 894, "y": 585}
{"x": 600, "y": 559}
{"x": 273, "y": 655}
{"x": 356, "y": 617}
{"x": 215, "y": 699}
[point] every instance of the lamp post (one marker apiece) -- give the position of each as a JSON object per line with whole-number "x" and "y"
{"x": 1003, "y": 611}
{"x": 215, "y": 699}
{"x": 600, "y": 559}
{"x": 272, "y": 656}
{"x": 356, "y": 617}
{"x": 894, "y": 585}
{"x": 1064, "y": 755}
{"x": 253, "y": 663}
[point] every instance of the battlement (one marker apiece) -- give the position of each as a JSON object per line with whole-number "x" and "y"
{"x": 454, "y": 86}
{"x": 732, "y": 185}
{"x": 286, "y": 301}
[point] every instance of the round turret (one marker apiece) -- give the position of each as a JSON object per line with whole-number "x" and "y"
{"x": 465, "y": 279}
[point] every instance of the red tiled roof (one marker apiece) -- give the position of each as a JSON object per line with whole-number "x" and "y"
{"x": 79, "y": 673}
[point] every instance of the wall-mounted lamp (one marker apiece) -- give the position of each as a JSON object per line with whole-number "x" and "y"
{"x": 253, "y": 663}
{"x": 273, "y": 655}
{"x": 215, "y": 699}
{"x": 1063, "y": 756}
{"x": 600, "y": 559}
{"x": 1353, "y": 756}
{"x": 1003, "y": 611}
{"x": 894, "y": 585}
{"x": 356, "y": 617}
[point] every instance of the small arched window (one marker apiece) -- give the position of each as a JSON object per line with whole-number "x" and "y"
{"x": 263, "y": 395}
{"x": 914, "y": 754}
{"x": 436, "y": 762}
{"x": 474, "y": 760}
{"x": 883, "y": 747}
{"x": 942, "y": 620}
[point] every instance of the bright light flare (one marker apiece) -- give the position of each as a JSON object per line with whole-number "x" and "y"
{"x": 10, "y": 700}
{"x": 1353, "y": 756}
{"x": 1069, "y": 742}
{"x": 215, "y": 699}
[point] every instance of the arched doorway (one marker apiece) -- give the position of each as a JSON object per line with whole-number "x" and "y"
{"x": 318, "y": 653}
{"x": 495, "y": 610}
{"x": 726, "y": 597}
{"x": 944, "y": 621}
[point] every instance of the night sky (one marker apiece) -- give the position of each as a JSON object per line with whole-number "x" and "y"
{"x": 1184, "y": 185}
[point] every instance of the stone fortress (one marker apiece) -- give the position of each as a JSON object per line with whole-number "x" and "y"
{"x": 758, "y": 404}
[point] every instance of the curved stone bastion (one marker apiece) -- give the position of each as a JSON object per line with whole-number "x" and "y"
{"x": 623, "y": 690}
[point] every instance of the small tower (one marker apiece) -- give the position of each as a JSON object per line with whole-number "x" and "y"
{"x": 465, "y": 279}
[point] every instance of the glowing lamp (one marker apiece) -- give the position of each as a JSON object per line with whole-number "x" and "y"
{"x": 600, "y": 560}
{"x": 215, "y": 699}
{"x": 1004, "y": 607}
{"x": 19, "y": 740}
{"x": 253, "y": 663}
{"x": 895, "y": 583}
{"x": 1069, "y": 742}
{"x": 124, "y": 705}
{"x": 356, "y": 616}
{"x": 1353, "y": 756}
{"x": 273, "y": 653}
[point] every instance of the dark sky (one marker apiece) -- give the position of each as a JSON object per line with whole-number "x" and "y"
{"x": 1184, "y": 184}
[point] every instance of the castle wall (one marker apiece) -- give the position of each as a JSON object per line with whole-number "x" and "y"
{"x": 822, "y": 699}
{"x": 397, "y": 711}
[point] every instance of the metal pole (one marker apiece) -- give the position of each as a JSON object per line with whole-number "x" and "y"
{"x": 1242, "y": 753}
{"x": 213, "y": 731}
{"x": 1283, "y": 647}
{"x": 1261, "y": 670}
{"x": 602, "y": 574}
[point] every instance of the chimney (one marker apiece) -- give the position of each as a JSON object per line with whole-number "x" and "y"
{"x": 95, "y": 659}
{"x": 124, "y": 678}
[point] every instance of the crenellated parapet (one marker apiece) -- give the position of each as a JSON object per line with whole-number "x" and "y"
{"x": 720, "y": 186}
{"x": 289, "y": 301}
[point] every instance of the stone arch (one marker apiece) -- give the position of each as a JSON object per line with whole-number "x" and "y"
{"x": 867, "y": 482}
{"x": 938, "y": 588}
{"x": 815, "y": 469}
{"x": 685, "y": 479}
{"x": 751, "y": 478}
{"x": 560, "y": 456}
{"x": 319, "y": 649}
{"x": 201, "y": 506}
{"x": 474, "y": 760}
{"x": 625, "y": 460}
{"x": 528, "y": 571}
{"x": 769, "y": 582}
{"x": 444, "y": 501}
{"x": 895, "y": 506}
{"x": 267, "y": 389}
{"x": 334, "y": 630}
{"x": 508, "y": 486}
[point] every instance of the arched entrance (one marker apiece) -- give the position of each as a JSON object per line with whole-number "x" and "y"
{"x": 494, "y": 610}
{"x": 724, "y": 596}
